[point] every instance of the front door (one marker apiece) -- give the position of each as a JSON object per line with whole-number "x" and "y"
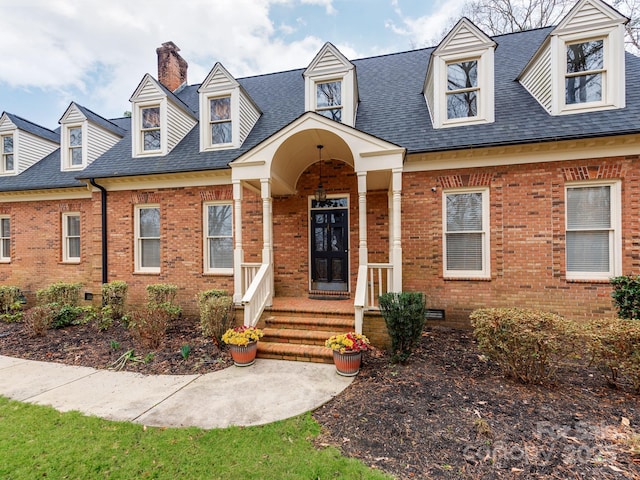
{"x": 330, "y": 245}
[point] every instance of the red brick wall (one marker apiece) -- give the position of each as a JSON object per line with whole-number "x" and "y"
{"x": 36, "y": 246}
{"x": 181, "y": 240}
{"x": 527, "y": 238}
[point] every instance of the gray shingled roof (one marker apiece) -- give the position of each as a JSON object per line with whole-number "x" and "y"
{"x": 37, "y": 130}
{"x": 101, "y": 121}
{"x": 392, "y": 107}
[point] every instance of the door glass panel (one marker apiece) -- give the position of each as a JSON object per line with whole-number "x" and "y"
{"x": 336, "y": 266}
{"x": 321, "y": 270}
{"x": 337, "y": 239}
{"x": 321, "y": 239}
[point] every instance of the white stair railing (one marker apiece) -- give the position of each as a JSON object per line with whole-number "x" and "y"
{"x": 374, "y": 279}
{"x": 257, "y": 296}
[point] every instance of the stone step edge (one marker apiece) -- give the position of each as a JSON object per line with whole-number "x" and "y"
{"x": 297, "y": 335}
{"x": 299, "y": 352}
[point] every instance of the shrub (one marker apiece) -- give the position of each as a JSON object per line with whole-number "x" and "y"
{"x": 404, "y": 314}
{"x": 614, "y": 348}
{"x": 38, "y": 320}
{"x": 66, "y": 315}
{"x": 10, "y": 304}
{"x": 626, "y": 296}
{"x": 527, "y": 344}
{"x": 149, "y": 326}
{"x": 114, "y": 299}
{"x": 60, "y": 293}
{"x": 163, "y": 295}
{"x": 216, "y": 313}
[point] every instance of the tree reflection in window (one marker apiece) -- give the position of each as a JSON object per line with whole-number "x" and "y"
{"x": 151, "y": 128}
{"x": 585, "y": 71}
{"x": 221, "y": 131}
{"x": 329, "y": 100}
{"x": 462, "y": 89}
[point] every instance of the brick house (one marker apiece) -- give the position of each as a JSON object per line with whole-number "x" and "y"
{"x": 487, "y": 171}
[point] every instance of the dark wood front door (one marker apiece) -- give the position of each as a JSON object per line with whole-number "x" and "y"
{"x": 330, "y": 246}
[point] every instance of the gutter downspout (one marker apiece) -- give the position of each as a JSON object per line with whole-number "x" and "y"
{"x": 103, "y": 192}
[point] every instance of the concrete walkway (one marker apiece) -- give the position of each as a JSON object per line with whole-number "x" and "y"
{"x": 267, "y": 391}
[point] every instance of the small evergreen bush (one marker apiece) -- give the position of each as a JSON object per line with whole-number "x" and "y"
{"x": 216, "y": 313}
{"x": 114, "y": 298}
{"x": 60, "y": 293}
{"x": 404, "y": 314}
{"x": 626, "y": 296}
{"x": 614, "y": 348}
{"x": 163, "y": 295}
{"x": 10, "y": 304}
{"x": 529, "y": 345}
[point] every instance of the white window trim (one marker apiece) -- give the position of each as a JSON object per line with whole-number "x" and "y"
{"x": 5, "y": 257}
{"x": 65, "y": 237}
{"x": 138, "y": 241}
{"x": 613, "y": 70}
{"x": 205, "y": 126}
{"x": 15, "y": 157}
{"x": 316, "y": 83}
{"x": 136, "y": 122}
{"x": 205, "y": 236}
{"x": 615, "y": 235}
{"x": 485, "y": 273}
{"x": 349, "y": 104}
{"x": 485, "y": 97}
{"x": 65, "y": 146}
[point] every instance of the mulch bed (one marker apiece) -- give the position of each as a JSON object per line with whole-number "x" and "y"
{"x": 447, "y": 413}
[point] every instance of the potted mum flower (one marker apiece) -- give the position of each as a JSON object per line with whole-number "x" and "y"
{"x": 243, "y": 344}
{"x": 347, "y": 352}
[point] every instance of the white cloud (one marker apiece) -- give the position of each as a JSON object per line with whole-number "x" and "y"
{"x": 62, "y": 45}
{"x": 327, "y": 4}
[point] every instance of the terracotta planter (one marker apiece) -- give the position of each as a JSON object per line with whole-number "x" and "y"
{"x": 243, "y": 356}
{"x": 347, "y": 363}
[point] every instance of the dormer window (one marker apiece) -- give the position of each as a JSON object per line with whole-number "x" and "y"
{"x": 459, "y": 86}
{"x": 462, "y": 89}
{"x": 585, "y": 72}
{"x": 75, "y": 146}
{"x": 6, "y": 144}
{"x": 220, "y": 120}
{"x": 150, "y": 128}
{"x": 329, "y": 99}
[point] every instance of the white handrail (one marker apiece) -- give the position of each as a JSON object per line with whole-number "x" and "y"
{"x": 257, "y": 295}
{"x": 371, "y": 283}
{"x": 249, "y": 271}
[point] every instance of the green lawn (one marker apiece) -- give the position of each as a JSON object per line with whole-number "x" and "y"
{"x": 39, "y": 442}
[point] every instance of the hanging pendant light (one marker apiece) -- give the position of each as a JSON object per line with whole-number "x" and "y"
{"x": 320, "y": 193}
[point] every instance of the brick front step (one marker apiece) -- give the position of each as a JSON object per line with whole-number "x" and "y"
{"x": 328, "y": 324}
{"x": 295, "y": 336}
{"x": 297, "y": 352}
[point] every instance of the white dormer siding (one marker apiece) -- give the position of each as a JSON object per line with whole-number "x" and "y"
{"x": 158, "y": 115}
{"x": 563, "y": 84}
{"x": 459, "y": 86}
{"x": 331, "y": 86}
{"x": 93, "y": 139}
{"x": 27, "y": 147}
{"x": 227, "y": 112}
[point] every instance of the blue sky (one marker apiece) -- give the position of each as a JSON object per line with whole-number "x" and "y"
{"x": 95, "y": 52}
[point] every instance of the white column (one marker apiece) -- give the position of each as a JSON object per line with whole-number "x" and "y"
{"x": 396, "y": 260}
{"x": 267, "y": 221}
{"x": 238, "y": 252}
{"x": 363, "y": 251}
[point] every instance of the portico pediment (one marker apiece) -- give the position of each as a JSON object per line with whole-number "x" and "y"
{"x": 284, "y": 156}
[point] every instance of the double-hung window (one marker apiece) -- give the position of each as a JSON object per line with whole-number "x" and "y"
{"x": 150, "y": 129}
{"x": 5, "y": 239}
{"x": 592, "y": 231}
{"x": 147, "y": 238}
{"x": 220, "y": 120}
{"x": 6, "y": 148}
{"x": 462, "y": 89}
{"x": 329, "y": 99}
{"x": 466, "y": 233}
{"x": 71, "y": 237}
{"x": 585, "y": 73}
{"x": 75, "y": 147}
{"x": 218, "y": 228}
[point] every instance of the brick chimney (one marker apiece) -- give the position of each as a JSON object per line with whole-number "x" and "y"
{"x": 172, "y": 68}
